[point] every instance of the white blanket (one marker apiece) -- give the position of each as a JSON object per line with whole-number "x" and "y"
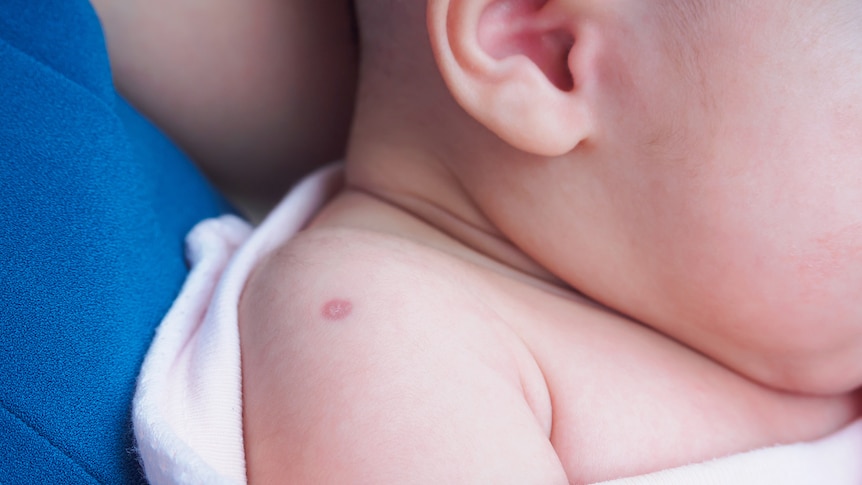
{"x": 187, "y": 410}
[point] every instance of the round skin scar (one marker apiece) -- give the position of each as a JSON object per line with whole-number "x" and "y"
{"x": 337, "y": 309}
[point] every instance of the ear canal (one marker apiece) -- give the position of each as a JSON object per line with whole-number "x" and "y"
{"x": 510, "y": 28}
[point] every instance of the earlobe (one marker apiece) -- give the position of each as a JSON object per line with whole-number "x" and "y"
{"x": 517, "y": 67}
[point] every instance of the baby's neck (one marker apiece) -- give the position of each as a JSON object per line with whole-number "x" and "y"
{"x": 406, "y": 191}
{"x": 404, "y": 159}
{"x": 356, "y": 209}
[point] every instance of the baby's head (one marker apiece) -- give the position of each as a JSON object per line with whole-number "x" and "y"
{"x": 694, "y": 164}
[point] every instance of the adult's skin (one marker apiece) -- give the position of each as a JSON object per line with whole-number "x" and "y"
{"x": 256, "y": 91}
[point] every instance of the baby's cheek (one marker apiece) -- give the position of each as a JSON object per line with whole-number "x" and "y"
{"x": 791, "y": 320}
{"x": 761, "y": 272}
{"x": 836, "y": 255}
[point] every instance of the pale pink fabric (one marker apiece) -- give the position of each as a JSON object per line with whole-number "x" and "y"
{"x": 187, "y": 411}
{"x": 835, "y": 460}
{"x": 188, "y": 406}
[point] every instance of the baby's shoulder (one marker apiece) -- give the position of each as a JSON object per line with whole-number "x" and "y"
{"x": 333, "y": 259}
{"x": 324, "y": 273}
{"x": 373, "y": 349}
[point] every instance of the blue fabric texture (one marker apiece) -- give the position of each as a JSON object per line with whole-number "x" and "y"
{"x": 94, "y": 205}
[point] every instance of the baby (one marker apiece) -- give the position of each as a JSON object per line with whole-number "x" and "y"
{"x": 578, "y": 240}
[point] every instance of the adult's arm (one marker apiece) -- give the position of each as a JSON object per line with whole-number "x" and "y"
{"x": 255, "y": 91}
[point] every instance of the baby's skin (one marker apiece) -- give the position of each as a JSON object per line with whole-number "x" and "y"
{"x": 578, "y": 240}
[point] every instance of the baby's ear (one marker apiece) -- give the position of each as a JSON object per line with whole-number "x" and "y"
{"x": 522, "y": 68}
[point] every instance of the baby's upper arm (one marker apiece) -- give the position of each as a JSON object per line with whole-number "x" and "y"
{"x": 362, "y": 363}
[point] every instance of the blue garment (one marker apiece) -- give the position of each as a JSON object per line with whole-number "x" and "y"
{"x": 94, "y": 205}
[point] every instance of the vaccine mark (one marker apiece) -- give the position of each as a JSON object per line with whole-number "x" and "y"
{"x": 337, "y": 309}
